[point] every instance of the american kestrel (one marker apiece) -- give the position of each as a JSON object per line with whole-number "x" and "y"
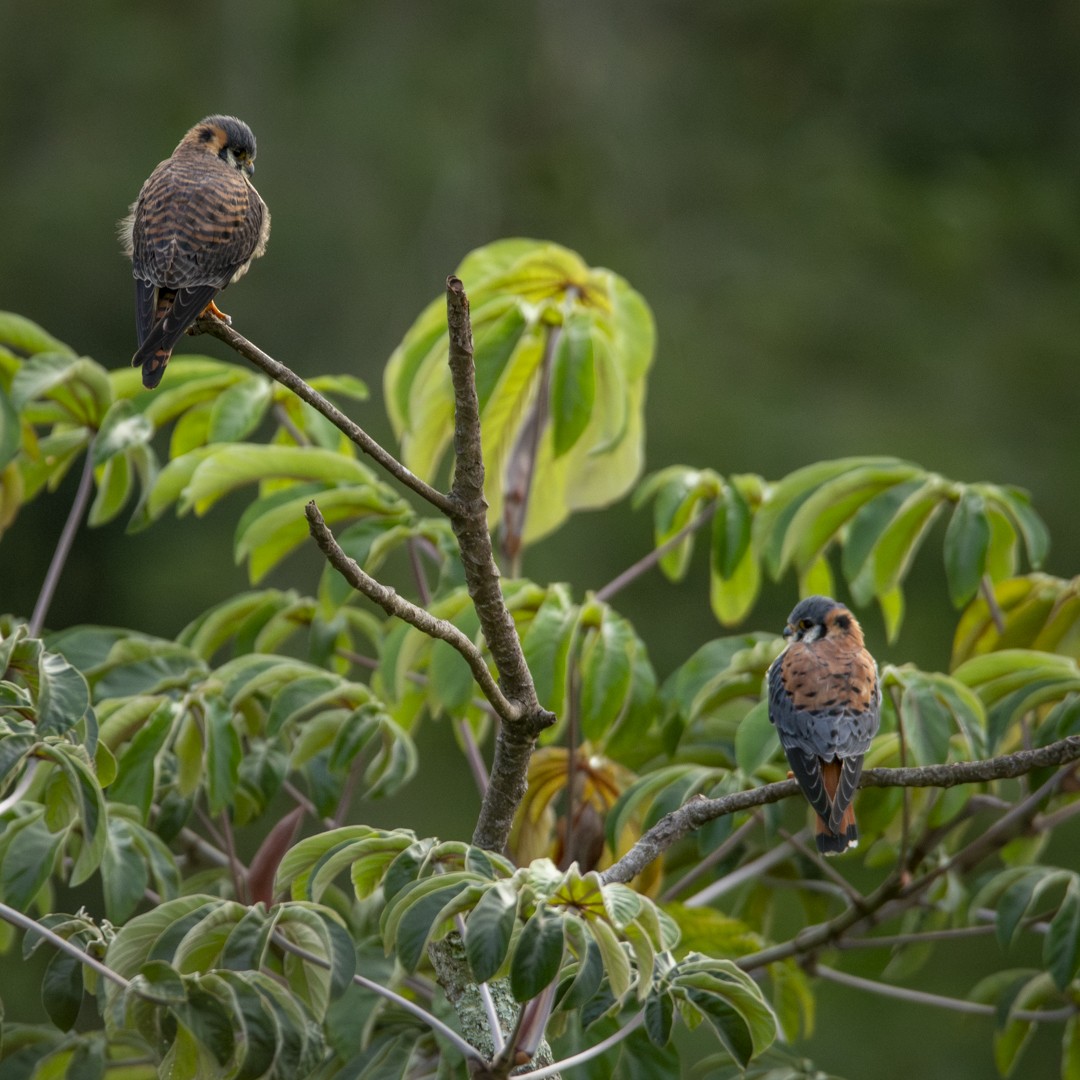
{"x": 825, "y": 701}
{"x": 195, "y": 227}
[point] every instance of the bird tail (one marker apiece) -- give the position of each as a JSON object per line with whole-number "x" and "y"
{"x": 153, "y": 365}
{"x": 834, "y": 839}
{"x": 835, "y": 843}
{"x": 176, "y": 311}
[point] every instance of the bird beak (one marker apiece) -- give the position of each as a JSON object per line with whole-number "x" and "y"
{"x": 788, "y": 631}
{"x": 249, "y": 168}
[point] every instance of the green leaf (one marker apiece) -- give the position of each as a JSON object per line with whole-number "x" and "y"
{"x": 123, "y": 871}
{"x": 488, "y": 930}
{"x": 63, "y": 696}
{"x": 26, "y": 338}
{"x": 833, "y": 504}
{"x": 573, "y": 382}
{"x": 29, "y": 855}
{"x": 417, "y": 917}
{"x": 239, "y": 410}
{"x": 538, "y": 954}
{"x": 1035, "y": 534}
{"x": 967, "y": 541}
{"x": 138, "y": 762}
{"x": 755, "y": 739}
{"x": 87, "y": 796}
{"x": 62, "y": 990}
{"x": 730, "y": 533}
{"x": 223, "y": 753}
{"x": 121, "y": 430}
{"x": 605, "y": 669}
{"x": 1061, "y": 947}
{"x": 10, "y": 429}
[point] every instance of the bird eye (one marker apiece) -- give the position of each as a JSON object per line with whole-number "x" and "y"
{"x": 805, "y": 624}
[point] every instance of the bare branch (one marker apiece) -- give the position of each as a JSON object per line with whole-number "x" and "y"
{"x": 700, "y": 810}
{"x": 63, "y": 545}
{"x": 393, "y": 604}
{"x": 647, "y": 562}
{"x": 209, "y": 324}
{"x": 24, "y": 922}
{"x": 921, "y": 997}
{"x": 514, "y": 741}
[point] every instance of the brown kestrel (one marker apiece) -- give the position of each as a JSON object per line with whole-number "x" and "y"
{"x": 825, "y": 701}
{"x": 195, "y": 227}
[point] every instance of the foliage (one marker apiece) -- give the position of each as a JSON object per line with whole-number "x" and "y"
{"x": 135, "y": 771}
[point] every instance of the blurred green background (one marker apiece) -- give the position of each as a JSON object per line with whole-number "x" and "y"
{"x": 858, "y": 226}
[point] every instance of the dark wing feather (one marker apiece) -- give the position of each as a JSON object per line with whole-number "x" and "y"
{"x": 792, "y": 730}
{"x": 169, "y": 329}
{"x": 145, "y": 302}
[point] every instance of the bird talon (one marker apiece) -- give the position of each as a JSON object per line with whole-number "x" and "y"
{"x": 213, "y": 309}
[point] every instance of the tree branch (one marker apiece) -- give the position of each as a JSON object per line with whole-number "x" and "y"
{"x": 63, "y": 545}
{"x": 24, "y": 922}
{"x": 700, "y": 810}
{"x": 647, "y": 562}
{"x": 921, "y": 997}
{"x": 514, "y": 741}
{"x": 209, "y": 324}
{"x": 393, "y": 604}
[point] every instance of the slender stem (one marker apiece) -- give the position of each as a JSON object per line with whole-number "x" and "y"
{"x": 736, "y": 878}
{"x": 208, "y": 324}
{"x": 521, "y": 467}
{"x": 647, "y": 562}
{"x": 586, "y": 1055}
{"x": 24, "y": 922}
{"x": 718, "y": 854}
{"x": 986, "y": 587}
{"x": 63, "y": 545}
{"x": 472, "y": 755}
{"x": 905, "y": 812}
{"x": 422, "y": 587}
{"x": 393, "y": 604}
{"x": 889, "y": 941}
{"x": 497, "y": 1039}
{"x": 236, "y": 867}
{"x": 796, "y": 840}
{"x": 433, "y": 1022}
{"x": 922, "y": 997}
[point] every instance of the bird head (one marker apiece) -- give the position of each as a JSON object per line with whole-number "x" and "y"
{"x": 818, "y": 617}
{"x": 228, "y": 138}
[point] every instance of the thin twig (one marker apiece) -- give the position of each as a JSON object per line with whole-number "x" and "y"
{"x": 472, "y": 754}
{"x": 63, "y": 545}
{"x": 470, "y": 1052}
{"x": 209, "y": 324}
{"x": 422, "y": 588}
{"x": 921, "y": 997}
{"x": 824, "y": 865}
{"x": 986, "y": 587}
{"x": 236, "y": 867}
{"x": 393, "y": 604}
{"x": 24, "y": 922}
{"x": 588, "y": 1054}
{"x": 737, "y": 877}
{"x": 916, "y": 937}
{"x": 717, "y": 855}
{"x": 647, "y": 562}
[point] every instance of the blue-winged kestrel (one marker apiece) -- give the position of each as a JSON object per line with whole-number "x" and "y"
{"x": 195, "y": 227}
{"x": 825, "y": 701}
